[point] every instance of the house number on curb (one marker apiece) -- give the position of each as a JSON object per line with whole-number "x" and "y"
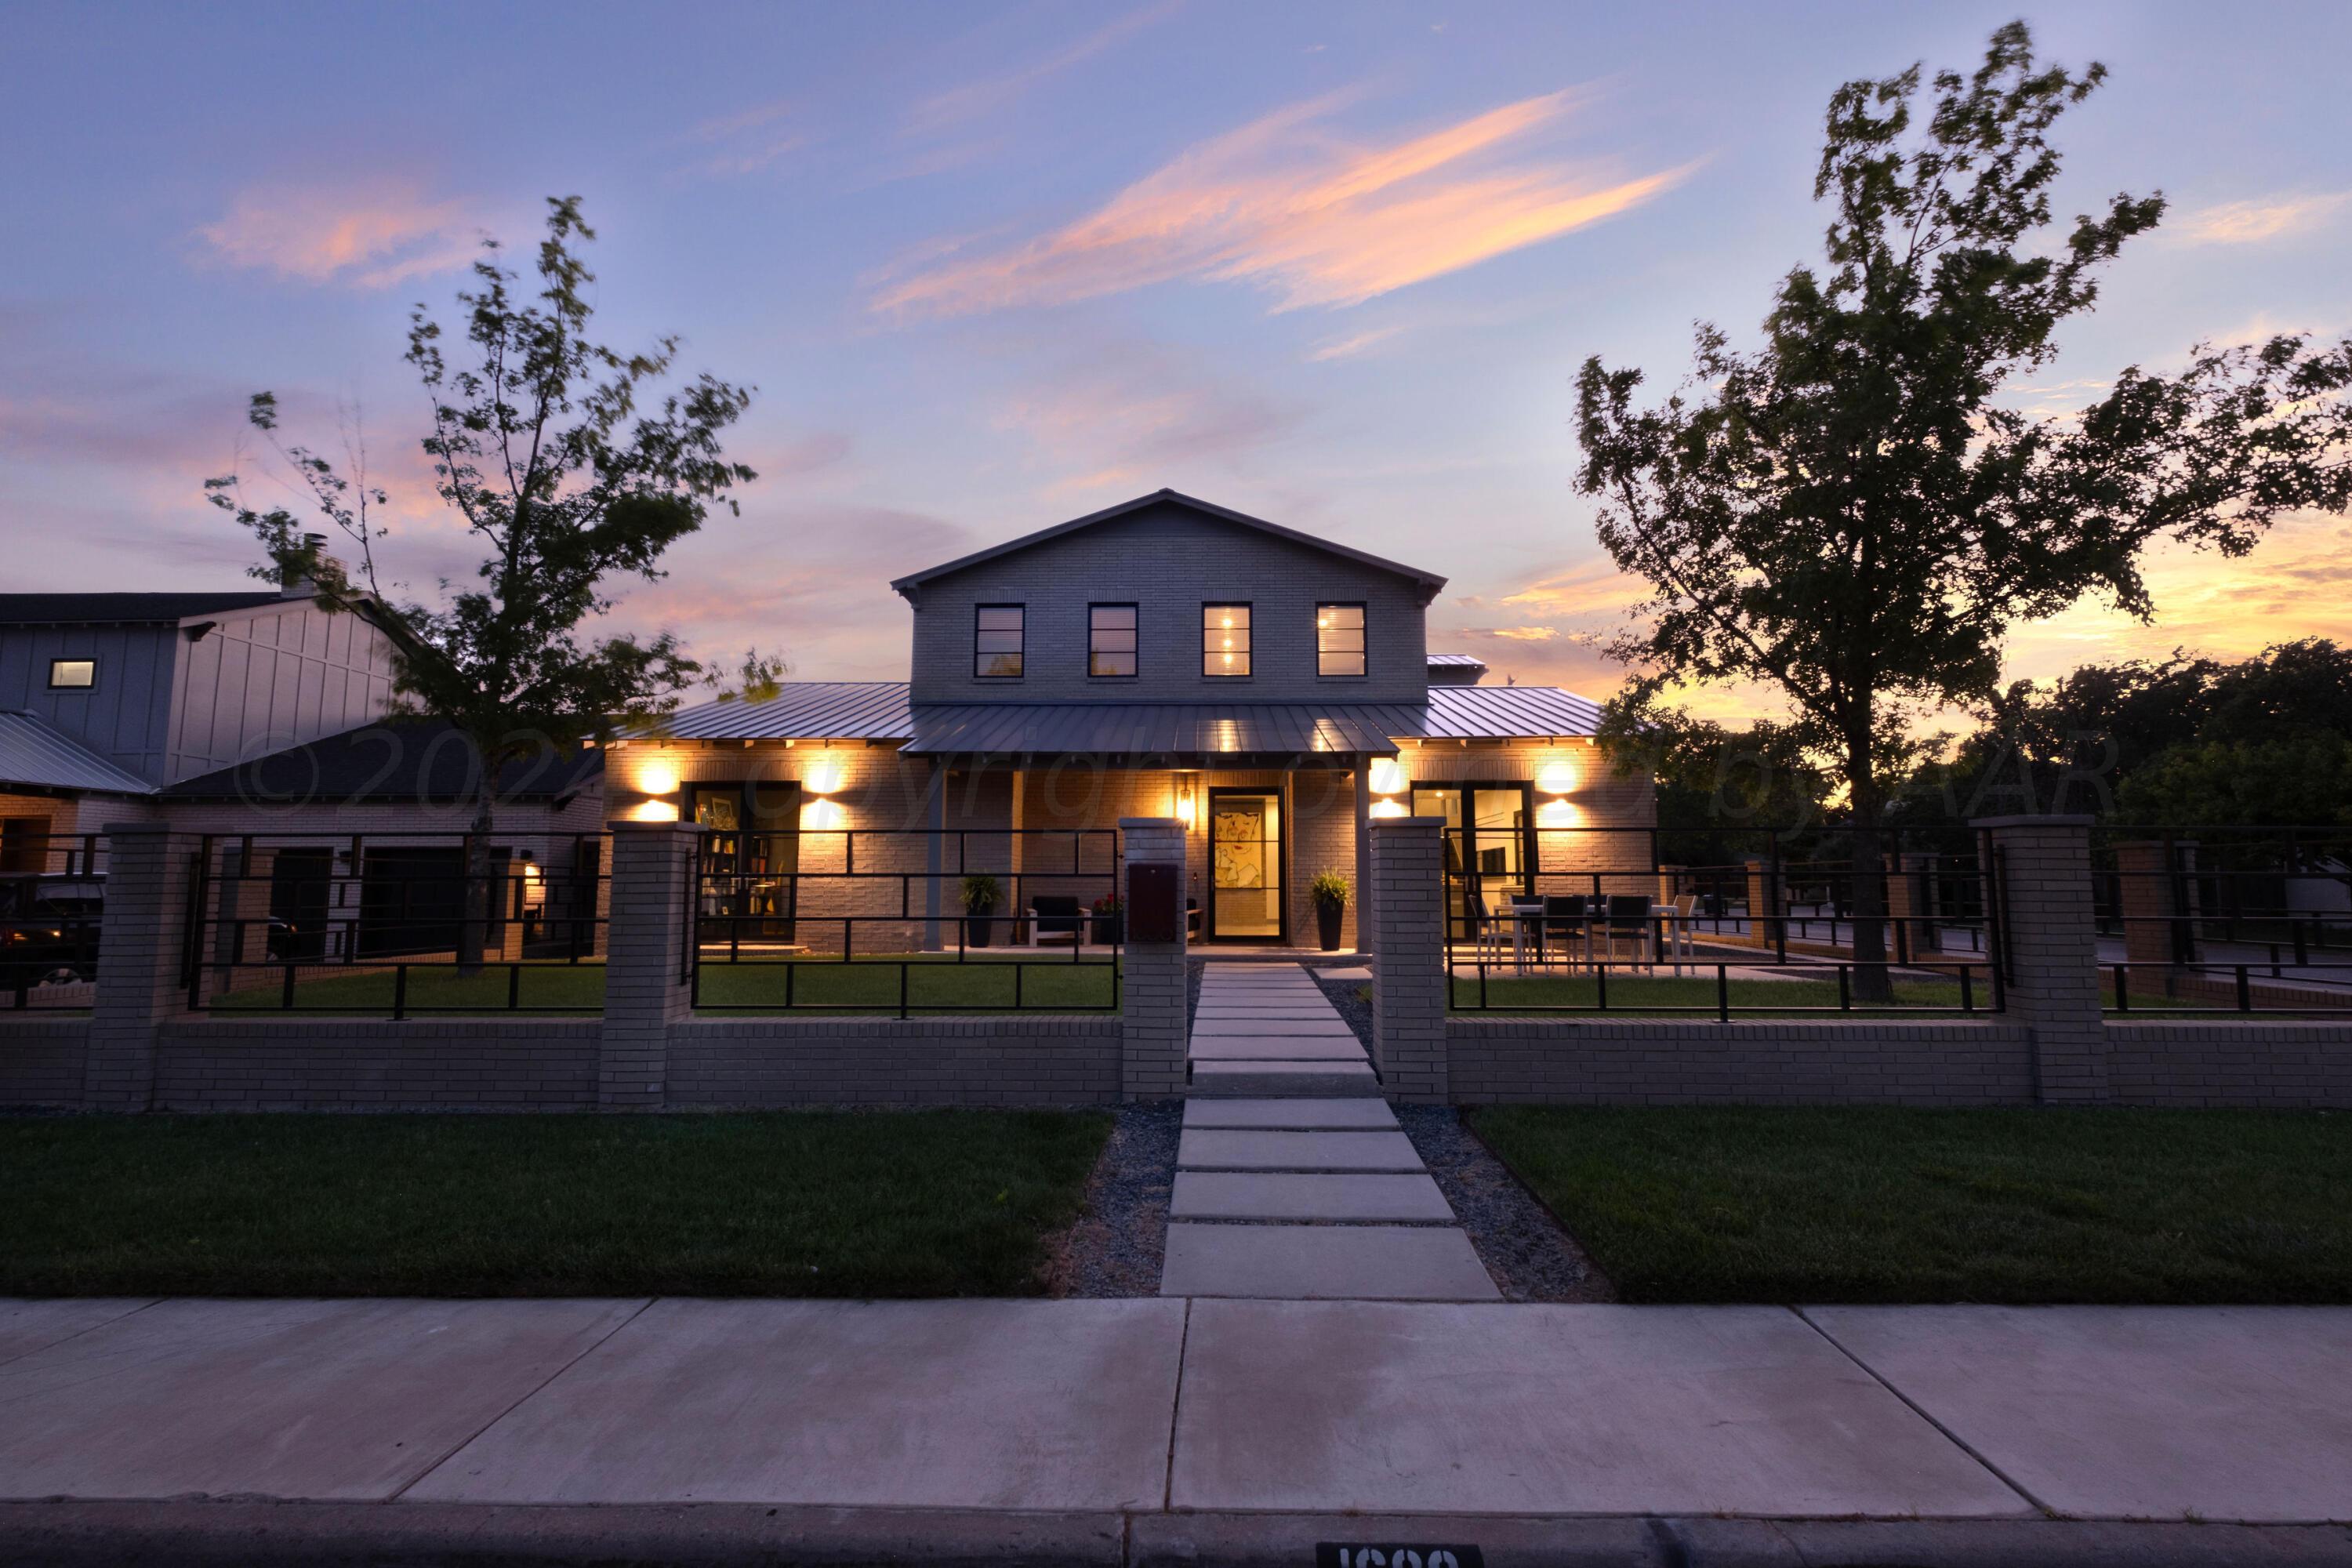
{"x": 1335, "y": 1554}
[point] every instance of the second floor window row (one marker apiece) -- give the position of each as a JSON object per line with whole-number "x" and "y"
{"x": 998, "y": 637}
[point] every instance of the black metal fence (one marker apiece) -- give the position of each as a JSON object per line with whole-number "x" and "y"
{"x": 398, "y": 923}
{"x": 52, "y": 896}
{"x": 1828, "y": 922}
{"x": 2225, "y": 920}
{"x": 908, "y": 921}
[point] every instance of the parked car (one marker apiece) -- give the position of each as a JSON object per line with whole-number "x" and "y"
{"x": 48, "y": 930}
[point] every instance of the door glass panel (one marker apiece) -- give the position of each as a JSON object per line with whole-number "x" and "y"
{"x": 1446, "y": 805}
{"x": 1245, "y": 853}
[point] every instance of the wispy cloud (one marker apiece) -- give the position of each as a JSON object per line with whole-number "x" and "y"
{"x": 1285, "y": 204}
{"x": 1349, "y": 346}
{"x": 976, "y": 99}
{"x": 370, "y": 235}
{"x": 1124, "y": 412}
{"x": 2266, "y": 217}
{"x": 748, "y": 140}
{"x": 1588, "y": 588}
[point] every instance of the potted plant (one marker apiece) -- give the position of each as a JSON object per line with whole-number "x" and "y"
{"x": 980, "y": 893}
{"x": 1330, "y": 890}
{"x": 1110, "y": 920}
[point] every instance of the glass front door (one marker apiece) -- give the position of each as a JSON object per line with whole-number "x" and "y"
{"x": 749, "y": 858}
{"x": 1487, "y": 847}
{"x": 1246, "y": 863}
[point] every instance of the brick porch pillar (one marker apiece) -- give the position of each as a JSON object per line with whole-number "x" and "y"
{"x": 1409, "y": 979}
{"x": 2154, "y": 937}
{"x": 142, "y": 956}
{"x": 1155, "y": 986}
{"x": 646, "y": 985}
{"x": 2052, "y": 949}
{"x": 1762, "y": 905}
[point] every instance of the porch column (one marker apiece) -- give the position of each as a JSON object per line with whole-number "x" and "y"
{"x": 1410, "y": 983}
{"x": 1364, "y": 926}
{"x": 646, "y": 989}
{"x": 935, "y": 819}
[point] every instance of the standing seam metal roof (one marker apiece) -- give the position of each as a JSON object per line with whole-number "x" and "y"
{"x": 34, "y": 752}
{"x": 881, "y": 711}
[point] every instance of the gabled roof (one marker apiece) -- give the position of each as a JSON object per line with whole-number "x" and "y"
{"x": 36, "y": 754}
{"x": 1429, "y": 581}
{"x": 802, "y": 710}
{"x": 406, "y": 760}
{"x": 127, "y": 609}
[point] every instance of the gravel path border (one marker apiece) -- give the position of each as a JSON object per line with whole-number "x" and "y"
{"x": 1115, "y": 1246}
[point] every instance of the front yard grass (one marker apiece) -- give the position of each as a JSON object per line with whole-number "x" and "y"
{"x": 1868, "y": 1204}
{"x": 935, "y": 983}
{"x": 934, "y": 1203}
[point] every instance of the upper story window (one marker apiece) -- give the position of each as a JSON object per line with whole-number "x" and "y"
{"x": 1224, "y": 639}
{"x": 1338, "y": 639}
{"x": 72, "y": 674}
{"x": 1110, "y": 640}
{"x": 996, "y": 641}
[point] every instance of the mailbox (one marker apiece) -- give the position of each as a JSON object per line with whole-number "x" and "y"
{"x": 1155, "y": 902}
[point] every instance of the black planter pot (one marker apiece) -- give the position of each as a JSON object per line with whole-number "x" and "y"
{"x": 1111, "y": 929}
{"x": 976, "y": 928}
{"x": 1326, "y": 924}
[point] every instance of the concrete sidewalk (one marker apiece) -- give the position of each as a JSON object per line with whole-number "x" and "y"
{"x": 1129, "y": 1410}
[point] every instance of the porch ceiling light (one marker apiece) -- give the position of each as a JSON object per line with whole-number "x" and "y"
{"x": 1388, "y": 776}
{"x": 1555, "y": 779}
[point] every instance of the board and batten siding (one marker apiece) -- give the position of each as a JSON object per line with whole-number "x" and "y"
{"x": 264, "y": 679}
{"x": 125, "y": 716}
{"x": 1169, "y": 561}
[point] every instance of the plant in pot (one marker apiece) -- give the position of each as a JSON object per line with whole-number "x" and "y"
{"x": 980, "y": 894}
{"x": 1331, "y": 891}
{"x": 1110, "y": 920}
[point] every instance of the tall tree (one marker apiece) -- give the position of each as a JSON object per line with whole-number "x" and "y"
{"x": 1849, "y": 514}
{"x": 547, "y": 446}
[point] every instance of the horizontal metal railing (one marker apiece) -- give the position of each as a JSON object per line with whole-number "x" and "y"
{"x": 395, "y": 923}
{"x": 923, "y": 951}
{"x": 52, "y": 896}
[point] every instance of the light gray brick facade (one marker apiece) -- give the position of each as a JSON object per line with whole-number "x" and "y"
{"x": 1408, "y": 1038}
{"x": 646, "y": 989}
{"x": 141, "y": 979}
{"x": 1155, "y": 986}
{"x": 2052, "y": 950}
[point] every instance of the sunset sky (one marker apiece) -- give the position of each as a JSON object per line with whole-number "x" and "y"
{"x": 993, "y": 267}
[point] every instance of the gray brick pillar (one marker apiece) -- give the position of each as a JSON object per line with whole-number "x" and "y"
{"x": 1155, "y": 1028}
{"x": 1409, "y": 977}
{"x": 645, "y": 988}
{"x": 142, "y": 958}
{"x": 2044, "y": 865}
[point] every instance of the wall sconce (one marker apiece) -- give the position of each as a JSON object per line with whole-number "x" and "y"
{"x": 1385, "y": 808}
{"x": 1188, "y": 805}
{"x": 822, "y": 816}
{"x": 1557, "y": 814}
{"x": 822, "y": 778}
{"x": 1555, "y": 779}
{"x": 656, "y": 810}
{"x": 1388, "y": 776}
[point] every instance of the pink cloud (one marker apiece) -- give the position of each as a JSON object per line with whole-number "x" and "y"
{"x": 371, "y": 236}
{"x": 1287, "y": 205}
{"x": 975, "y": 100}
{"x": 2250, "y": 222}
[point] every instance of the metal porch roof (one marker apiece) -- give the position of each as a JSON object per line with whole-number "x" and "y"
{"x": 35, "y": 752}
{"x": 803, "y": 711}
{"x": 1507, "y": 712}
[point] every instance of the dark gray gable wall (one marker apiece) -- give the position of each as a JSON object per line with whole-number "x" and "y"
{"x": 1169, "y": 560}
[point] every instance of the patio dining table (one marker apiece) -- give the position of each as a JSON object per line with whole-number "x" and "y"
{"x": 1666, "y": 922}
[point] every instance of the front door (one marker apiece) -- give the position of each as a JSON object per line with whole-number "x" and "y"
{"x": 1488, "y": 854}
{"x": 1245, "y": 865}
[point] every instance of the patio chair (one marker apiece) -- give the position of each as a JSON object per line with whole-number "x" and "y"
{"x": 1629, "y": 917}
{"x": 1056, "y": 919}
{"x": 1563, "y": 922}
{"x": 1487, "y": 928}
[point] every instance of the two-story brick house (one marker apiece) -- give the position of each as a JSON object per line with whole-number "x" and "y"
{"x": 1166, "y": 657}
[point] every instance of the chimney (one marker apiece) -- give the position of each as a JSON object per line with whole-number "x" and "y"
{"x": 302, "y": 587}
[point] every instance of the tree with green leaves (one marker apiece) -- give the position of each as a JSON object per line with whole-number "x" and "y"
{"x": 549, "y": 447}
{"x": 1849, "y": 515}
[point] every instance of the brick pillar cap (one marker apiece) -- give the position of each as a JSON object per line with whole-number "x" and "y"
{"x": 622, "y": 825}
{"x": 2071, "y": 819}
{"x": 1130, "y": 824}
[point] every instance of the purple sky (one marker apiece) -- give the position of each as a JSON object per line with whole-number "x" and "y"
{"x": 993, "y": 267}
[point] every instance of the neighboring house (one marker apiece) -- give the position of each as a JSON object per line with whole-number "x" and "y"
{"x": 1164, "y": 658}
{"x": 107, "y": 698}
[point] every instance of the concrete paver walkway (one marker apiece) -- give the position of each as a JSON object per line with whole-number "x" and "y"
{"x": 1311, "y": 1193}
{"x": 1136, "y": 1407}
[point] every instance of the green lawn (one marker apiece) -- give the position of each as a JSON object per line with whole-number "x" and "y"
{"x": 1886, "y": 1205}
{"x": 945, "y": 1202}
{"x": 937, "y": 984}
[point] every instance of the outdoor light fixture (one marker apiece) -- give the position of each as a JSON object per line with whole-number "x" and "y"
{"x": 1555, "y": 779}
{"x": 1187, "y": 807}
{"x": 1386, "y": 808}
{"x": 659, "y": 779}
{"x": 1388, "y": 776}
{"x": 823, "y": 816}
{"x": 822, "y": 779}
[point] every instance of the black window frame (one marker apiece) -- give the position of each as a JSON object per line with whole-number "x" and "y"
{"x": 1020, "y": 653}
{"x": 1249, "y": 639}
{"x": 90, "y": 685}
{"x": 1363, "y": 639}
{"x": 1135, "y": 631}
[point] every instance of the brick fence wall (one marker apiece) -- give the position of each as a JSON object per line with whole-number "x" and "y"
{"x": 769, "y": 1063}
{"x": 418, "y": 1064}
{"x": 2220, "y": 1062}
{"x": 42, "y": 1062}
{"x": 1587, "y": 1061}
